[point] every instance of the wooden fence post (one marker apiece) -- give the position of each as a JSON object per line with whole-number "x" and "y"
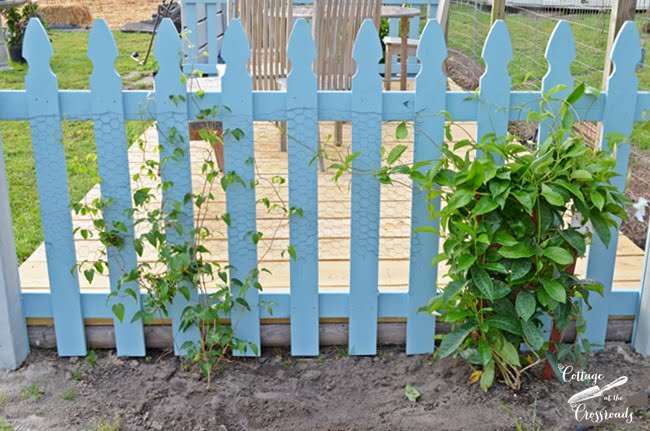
{"x": 14, "y": 345}
{"x": 442, "y": 16}
{"x": 498, "y": 10}
{"x": 622, "y": 10}
{"x": 641, "y": 335}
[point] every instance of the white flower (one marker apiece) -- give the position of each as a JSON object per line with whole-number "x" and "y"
{"x": 640, "y": 206}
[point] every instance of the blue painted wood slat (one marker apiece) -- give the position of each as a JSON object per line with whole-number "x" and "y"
{"x": 364, "y": 238}
{"x": 560, "y": 53}
{"x": 113, "y": 167}
{"x": 302, "y": 129}
{"x": 430, "y": 89}
{"x": 494, "y": 85}
{"x": 52, "y": 178}
{"x": 173, "y": 138}
{"x": 239, "y": 156}
{"x": 14, "y": 342}
{"x": 622, "y": 87}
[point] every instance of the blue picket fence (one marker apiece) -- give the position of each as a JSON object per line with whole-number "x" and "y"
{"x": 302, "y": 106}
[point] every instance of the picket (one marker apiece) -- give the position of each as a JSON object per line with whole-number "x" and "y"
{"x": 494, "y": 85}
{"x": 302, "y": 106}
{"x": 302, "y": 130}
{"x": 560, "y": 53}
{"x": 176, "y": 171}
{"x": 51, "y": 175}
{"x": 14, "y": 345}
{"x": 239, "y": 156}
{"x": 430, "y": 89}
{"x": 113, "y": 167}
{"x": 364, "y": 240}
{"x": 618, "y": 118}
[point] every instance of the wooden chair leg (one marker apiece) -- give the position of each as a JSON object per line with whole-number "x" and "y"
{"x": 388, "y": 69}
{"x": 338, "y": 133}
{"x": 282, "y": 125}
{"x": 321, "y": 159}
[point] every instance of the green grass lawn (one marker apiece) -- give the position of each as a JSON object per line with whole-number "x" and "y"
{"x": 72, "y": 68}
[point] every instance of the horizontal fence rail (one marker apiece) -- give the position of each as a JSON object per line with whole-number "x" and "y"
{"x": 302, "y": 106}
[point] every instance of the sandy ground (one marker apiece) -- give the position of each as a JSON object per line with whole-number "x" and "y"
{"x": 278, "y": 392}
{"x": 116, "y": 12}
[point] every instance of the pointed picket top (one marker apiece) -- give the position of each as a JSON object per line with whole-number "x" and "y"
{"x": 498, "y": 46}
{"x": 560, "y": 53}
{"x": 37, "y": 48}
{"x": 168, "y": 48}
{"x": 302, "y": 49}
{"x": 367, "y": 50}
{"x": 432, "y": 50}
{"x": 236, "y": 50}
{"x": 102, "y": 50}
{"x": 626, "y": 52}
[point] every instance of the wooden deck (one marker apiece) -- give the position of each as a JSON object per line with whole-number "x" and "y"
{"x": 334, "y": 223}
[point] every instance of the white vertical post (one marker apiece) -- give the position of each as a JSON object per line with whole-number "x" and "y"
{"x": 641, "y": 336}
{"x": 14, "y": 345}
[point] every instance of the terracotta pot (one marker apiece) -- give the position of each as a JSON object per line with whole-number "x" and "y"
{"x": 16, "y": 53}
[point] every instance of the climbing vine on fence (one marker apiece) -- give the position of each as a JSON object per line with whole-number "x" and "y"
{"x": 170, "y": 269}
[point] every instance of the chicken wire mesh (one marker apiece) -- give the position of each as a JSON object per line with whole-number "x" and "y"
{"x": 531, "y": 23}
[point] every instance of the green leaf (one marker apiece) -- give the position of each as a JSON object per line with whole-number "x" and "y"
{"x": 519, "y": 268}
{"x": 411, "y": 393}
{"x": 485, "y": 205}
{"x": 454, "y": 339}
{"x": 509, "y": 353}
{"x": 395, "y": 154}
{"x": 552, "y": 197}
{"x": 575, "y": 240}
{"x": 558, "y": 255}
{"x": 465, "y": 260}
{"x": 525, "y": 304}
{"x": 518, "y": 251}
{"x": 581, "y": 175}
{"x": 484, "y": 352}
{"x": 555, "y": 290}
{"x": 118, "y": 311}
{"x": 601, "y": 227}
{"x": 597, "y": 199}
{"x": 451, "y": 290}
{"x": 482, "y": 281}
{"x": 89, "y": 274}
{"x": 576, "y": 94}
{"x": 459, "y": 199}
{"x": 504, "y": 322}
{"x": 401, "y": 132}
{"x": 487, "y": 378}
{"x": 504, "y": 239}
{"x": 525, "y": 198}
{"x": 533, "y": 334}
{"x": 440, "y": 257}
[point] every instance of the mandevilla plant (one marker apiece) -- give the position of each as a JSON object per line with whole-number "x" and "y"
{"x": 514, "y": 220}
{"x": 172, "y": 258}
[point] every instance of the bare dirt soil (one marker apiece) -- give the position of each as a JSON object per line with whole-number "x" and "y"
{"x": 278, "y": 392}
{"x": 115, "y": 12}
